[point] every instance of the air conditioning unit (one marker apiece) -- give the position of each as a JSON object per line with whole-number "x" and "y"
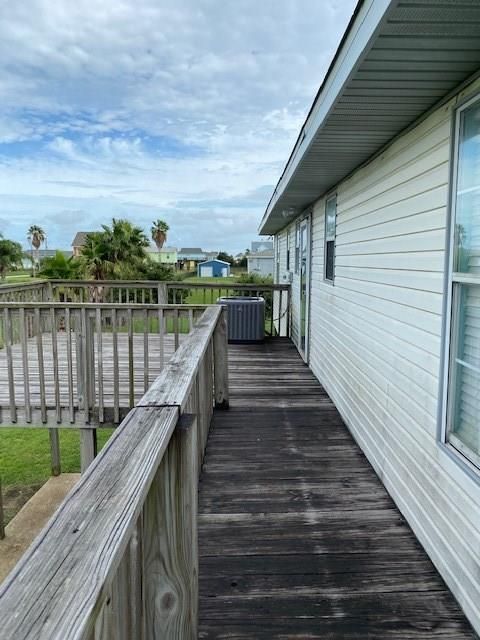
{"x": 286, "y": 278}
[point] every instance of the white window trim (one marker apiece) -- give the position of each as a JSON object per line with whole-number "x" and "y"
{"x": 326, "y": 280}
{"x": 469, "y": 459}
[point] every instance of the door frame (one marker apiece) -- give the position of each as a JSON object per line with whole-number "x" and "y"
{"x": 306, "y": 222}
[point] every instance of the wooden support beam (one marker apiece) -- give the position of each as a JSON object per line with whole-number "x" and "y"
{"x": 55, "y": 452}
{"x": 2, "y": 517}
{"x": 88, "y": 447}
{"x": 220, "y": 348}
{"x": 170, "y": 540}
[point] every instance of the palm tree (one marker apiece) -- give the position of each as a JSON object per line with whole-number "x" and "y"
{"x": 159, "y": 232}
{"x": 11, "y": 254}
{"x": 36, "y": 236}
{"x": 116, "y": 251}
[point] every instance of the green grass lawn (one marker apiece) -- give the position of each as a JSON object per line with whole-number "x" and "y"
{"x": 25, "y": 461}
{"x": 15, "y": 277}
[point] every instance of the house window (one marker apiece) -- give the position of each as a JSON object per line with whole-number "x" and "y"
{"x": 330, "y": 232}
{"x": 288, "y": 250}
{"x": 463, "y": 388}
{"x": 297, "y": 247}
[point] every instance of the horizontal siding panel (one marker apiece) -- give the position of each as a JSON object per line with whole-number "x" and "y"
{"x": 422, "y": 280}
{"x": 415, "y": 203}
{"x": 427, "y": 241}
{"x": 415, "y": 223}
{"x": 410, "y": 298}
{"x": 419, "y": 261}
{"x": 425, "y": 181}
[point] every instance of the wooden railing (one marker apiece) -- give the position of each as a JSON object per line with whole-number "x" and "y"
{"x": 70, "y": 363}
{"x": 277, "y": 296}
{"x": 26, "y": 292}
{"x": 119, "y": 558}
{"x": 277, "y": 299}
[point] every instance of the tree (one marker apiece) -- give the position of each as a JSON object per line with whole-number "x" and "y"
{"x": 226, "y": 257}
{"x": 159, "y": 232}
{"x": 36, "y": 236}
{"x": 115, "y": 252}
{"x": 11, "y": 254}
{"x": 58, "y": 266}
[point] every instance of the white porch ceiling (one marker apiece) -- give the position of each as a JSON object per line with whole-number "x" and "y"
{"x": 396, "y": 61}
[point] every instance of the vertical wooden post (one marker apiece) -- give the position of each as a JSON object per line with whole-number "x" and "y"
{"x": 220, "y": 350}
{"x": 170, "y": 545}
{"x": 55, "y": 452}
{"x": 88, "y": 447}
{"x": 2, "y": 517}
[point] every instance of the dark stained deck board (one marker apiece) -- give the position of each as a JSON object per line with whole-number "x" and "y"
{"x": 298, "y": 538}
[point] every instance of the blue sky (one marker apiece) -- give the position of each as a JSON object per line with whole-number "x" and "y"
{"x": 180, "y": 109}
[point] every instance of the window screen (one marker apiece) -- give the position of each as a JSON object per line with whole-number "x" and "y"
{"x": 463, "y": 390}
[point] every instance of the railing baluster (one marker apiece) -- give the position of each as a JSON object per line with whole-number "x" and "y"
{"x": 41, "y": 367}
{"x": 161, "y": 335}
{"x": 26, "y": 372}
{"x": 68, "y": 332}
{"x": 101, "y": 399}
{"x": 131, "y": 370}
{"x": 176, "y": 328}
{"x": 146, "y": 366}
{"x": 116, "y": 366}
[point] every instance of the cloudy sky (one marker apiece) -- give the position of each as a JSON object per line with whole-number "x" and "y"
{"x": 180, "y": 109}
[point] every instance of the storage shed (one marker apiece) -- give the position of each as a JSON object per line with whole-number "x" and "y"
{"x": 213, "y": 269}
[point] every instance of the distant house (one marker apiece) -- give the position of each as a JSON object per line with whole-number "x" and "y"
{"x": 79, "y": 242}
{"x": 211, "y": 255}
{"x": 165, "y": 255}
{"x": 262, "y": 245}
{"x": 189, "y": 257}
{"x": 42, "y": 253}
{"x": 260, "y": 262}
{"x": 213, "y": 269}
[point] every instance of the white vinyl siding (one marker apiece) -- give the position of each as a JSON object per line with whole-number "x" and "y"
{"x": 376, "y": 340}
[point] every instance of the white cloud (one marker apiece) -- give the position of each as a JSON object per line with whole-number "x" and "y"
{"x": 133, "y": 107}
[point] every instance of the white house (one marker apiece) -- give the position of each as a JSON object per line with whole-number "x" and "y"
{"x": 260, "y": 263}
{"x": 377, "y": 218}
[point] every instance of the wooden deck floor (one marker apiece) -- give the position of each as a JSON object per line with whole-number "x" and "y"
{"x": 298, "y": 537}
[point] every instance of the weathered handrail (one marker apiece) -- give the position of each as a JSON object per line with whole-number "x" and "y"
{"x": 277, "y": 296}
{"x": 119, "y": 558}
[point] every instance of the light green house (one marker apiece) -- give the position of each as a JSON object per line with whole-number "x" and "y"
{"x": 165, "y": 255}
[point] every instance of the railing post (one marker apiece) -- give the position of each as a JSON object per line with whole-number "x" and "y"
{"x": 220, "y": 350}
{"x": 170, "y": 543}
{"x": 88, "y": 447}
{"x": 2, "y": 517}
{"x": 162, "y": 293}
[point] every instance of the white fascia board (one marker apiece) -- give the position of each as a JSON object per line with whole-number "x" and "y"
{"x": 355, "y": 47}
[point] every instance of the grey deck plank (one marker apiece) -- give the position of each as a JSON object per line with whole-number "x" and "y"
{"x": 298, "y": 537}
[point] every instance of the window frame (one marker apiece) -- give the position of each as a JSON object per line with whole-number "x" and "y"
{"x": 297, "y": 247}
{"x": 327, "y": 280}
{"x": 288, "y": 250}
{"x": 469, "y": 459}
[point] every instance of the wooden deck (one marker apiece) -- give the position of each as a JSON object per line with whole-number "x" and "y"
{"x": 298, "y": 537}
